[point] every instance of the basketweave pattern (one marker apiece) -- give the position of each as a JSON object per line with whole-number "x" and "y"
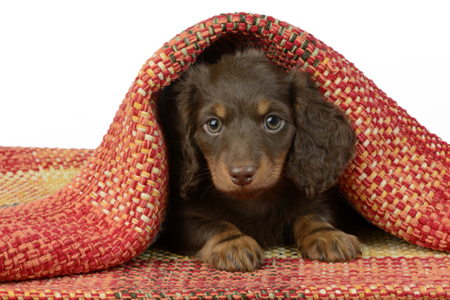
{"x": 112, "y": 209}
{"x": 42, "y": 171}
{"x": 390, "y": 268}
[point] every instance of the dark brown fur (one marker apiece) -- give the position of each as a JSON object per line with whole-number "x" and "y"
{"x": 215, "y": 213}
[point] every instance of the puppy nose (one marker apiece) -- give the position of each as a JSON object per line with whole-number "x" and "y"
{"x": 242, "y": 175}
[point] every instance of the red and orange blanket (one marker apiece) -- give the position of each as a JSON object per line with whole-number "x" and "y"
{"x": 75, "y": 224}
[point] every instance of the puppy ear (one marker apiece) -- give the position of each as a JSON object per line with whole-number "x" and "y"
{"x": 191, "y": 158}
{"x": 324, "y": 141}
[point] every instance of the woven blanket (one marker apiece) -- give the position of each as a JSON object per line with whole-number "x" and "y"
{"x": 91, "y": 214}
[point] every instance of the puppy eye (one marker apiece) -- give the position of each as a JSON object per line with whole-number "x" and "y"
{"x": 213, "y": 126}
{"x": 273, "y": 122}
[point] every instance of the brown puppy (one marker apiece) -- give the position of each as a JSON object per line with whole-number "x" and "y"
{"x": 254, "y": 154}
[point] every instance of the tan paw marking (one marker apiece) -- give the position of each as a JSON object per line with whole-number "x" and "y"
{"x": 329, "y": 244}
{"x": 233, "y": 253}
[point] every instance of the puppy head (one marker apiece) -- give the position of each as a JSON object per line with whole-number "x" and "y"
{"x": 254, "y": 123}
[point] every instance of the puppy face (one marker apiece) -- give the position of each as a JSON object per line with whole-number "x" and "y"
{"x": 254, "y": 123}
{"x": 244, "y": 127}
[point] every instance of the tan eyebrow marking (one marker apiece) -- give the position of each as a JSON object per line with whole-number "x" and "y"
{"x": 263, "y": 106}
{"x": 220, "y": 110}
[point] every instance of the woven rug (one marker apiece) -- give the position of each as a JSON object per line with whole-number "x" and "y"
{"x": 91, "y": 214}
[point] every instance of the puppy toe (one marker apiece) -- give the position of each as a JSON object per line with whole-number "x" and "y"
{"x": 335, "y": 246}
{"x": 241, "y": 254}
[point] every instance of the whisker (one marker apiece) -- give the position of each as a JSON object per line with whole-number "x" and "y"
{"x": 207, "y": 189}
{"x": 201, "y": 174}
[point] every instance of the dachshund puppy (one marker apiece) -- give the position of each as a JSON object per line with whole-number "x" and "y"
{"x": 254, "y": 155}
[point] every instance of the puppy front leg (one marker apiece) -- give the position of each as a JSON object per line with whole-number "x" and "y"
{"x": 319, "y": 240}
{"x": 231, "y": 250}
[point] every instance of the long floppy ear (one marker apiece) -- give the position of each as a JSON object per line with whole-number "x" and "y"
{"x": 324, "y": 141}
{"x": 191, "y": 158}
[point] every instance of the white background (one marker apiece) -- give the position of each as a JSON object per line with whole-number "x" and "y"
{"x": 65, "y": 66}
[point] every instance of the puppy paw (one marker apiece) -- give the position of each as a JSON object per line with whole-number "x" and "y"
{"x": 234, "y": 253}
{"x": 330, "y": 245}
